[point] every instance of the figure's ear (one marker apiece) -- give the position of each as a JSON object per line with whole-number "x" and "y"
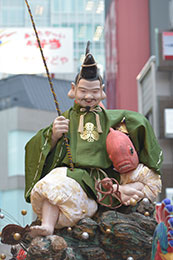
{"x": 71, "y": 93}
{"x": 103, "y": 93}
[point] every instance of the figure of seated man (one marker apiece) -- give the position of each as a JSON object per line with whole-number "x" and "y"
{"x": 61, "y": 197}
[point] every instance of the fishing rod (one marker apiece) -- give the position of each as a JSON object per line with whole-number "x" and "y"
{"x": 51, "y": 85}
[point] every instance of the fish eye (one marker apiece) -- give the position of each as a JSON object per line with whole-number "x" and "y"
{"x": 131, "y": 150}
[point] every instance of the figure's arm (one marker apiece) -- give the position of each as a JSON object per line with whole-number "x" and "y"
{"x": 146, "y": 175}
{"x": 40, "y": 157}
{"x": 60, "y": 126}
{"x": 36, "y": 152}
{"x": 143, "y": 177}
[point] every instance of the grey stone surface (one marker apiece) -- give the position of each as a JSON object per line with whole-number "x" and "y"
{"x": 110, "y": 235}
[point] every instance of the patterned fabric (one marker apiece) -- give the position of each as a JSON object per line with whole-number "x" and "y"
{"x": 145, "y": 175}
{"x": 64, "y": 192}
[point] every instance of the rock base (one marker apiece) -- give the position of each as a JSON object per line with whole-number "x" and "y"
{"x": 110, "y": 235}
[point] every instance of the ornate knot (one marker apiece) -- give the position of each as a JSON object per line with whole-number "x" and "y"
{"x": 94, "y": 110}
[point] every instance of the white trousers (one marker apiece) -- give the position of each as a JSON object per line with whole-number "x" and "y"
{"x": 64, "y": 192}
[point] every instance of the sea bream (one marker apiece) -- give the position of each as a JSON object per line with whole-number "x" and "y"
{"x": 121, "y": 151}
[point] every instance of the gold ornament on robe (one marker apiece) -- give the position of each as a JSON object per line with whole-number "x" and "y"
{"x": 122, "y": 126}
{"x": 94, "y": 110}
{"x": 90, "y": 133}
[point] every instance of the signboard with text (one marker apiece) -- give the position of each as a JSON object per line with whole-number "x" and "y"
{"x": 168, "y": 115}
{"x": 167, "y": 39}
{"x": 20, "y": 54}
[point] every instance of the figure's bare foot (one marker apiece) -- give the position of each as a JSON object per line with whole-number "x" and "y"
{"x": 41, "y": 231}
{"x": 130, "y": 191}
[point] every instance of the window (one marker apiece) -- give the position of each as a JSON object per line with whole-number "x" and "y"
{"x": 41, "y": 13}
{"x": 12, "y": 210}
{"x": 11, "y": 13}
{"x": 16, "y": 151}
{"x": 169, "y": 194}
{"x": 8, "y": 3}
{"x": 12, "y": 17}
{"x": 68, "y": 6}
{"x": 168, "y": 124}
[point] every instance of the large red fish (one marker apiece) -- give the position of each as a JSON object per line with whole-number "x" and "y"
{"x": 121, "y": 151}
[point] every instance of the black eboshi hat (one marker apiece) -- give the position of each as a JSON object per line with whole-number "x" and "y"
{"x": 89, "y": 70}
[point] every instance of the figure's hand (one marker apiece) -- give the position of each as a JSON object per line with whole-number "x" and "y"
{"x": 60, "y": 126}
{"x": 130, "y": 191}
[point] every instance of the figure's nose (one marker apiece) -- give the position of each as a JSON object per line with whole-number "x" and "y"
{"x": 88, "y": 95}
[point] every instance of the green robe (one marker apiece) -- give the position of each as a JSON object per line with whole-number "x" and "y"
{"x": 39, "y": 161}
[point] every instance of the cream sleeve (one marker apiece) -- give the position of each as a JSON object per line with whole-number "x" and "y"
{"x": 150, "y": 179}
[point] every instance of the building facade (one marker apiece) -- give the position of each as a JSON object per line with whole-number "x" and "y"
{"x": 86, "y": 17}
{"x": 139, "y": 75}
{"x": 127, "y": 50}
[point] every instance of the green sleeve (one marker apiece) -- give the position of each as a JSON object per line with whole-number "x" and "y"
{"x": 145, "y": 141}
{"x": 36, "y": 151}
{"x": 39, "y": 159}
{"x": 142, "y": 135}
